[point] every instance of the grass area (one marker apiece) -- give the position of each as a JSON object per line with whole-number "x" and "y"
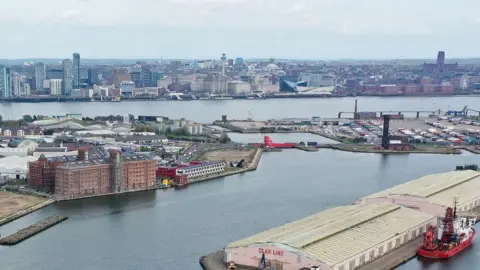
{"x": 11, "y": 203}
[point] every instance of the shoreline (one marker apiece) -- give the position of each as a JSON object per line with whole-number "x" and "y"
{"x": 25, "y": 212}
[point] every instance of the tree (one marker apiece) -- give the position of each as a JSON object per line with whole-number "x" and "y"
{"x": 168, "y": 130}
{"x": 27, "y": 118}
{"x": 224, "y": 138}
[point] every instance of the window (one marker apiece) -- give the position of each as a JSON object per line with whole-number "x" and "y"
{"x": 397, "y": 242}
{"x": 380, "y": 250}
{"x": 414, "y": 234}
{"x": 362, "y": 259}
{"x": 372, "y": 255}
{"x": 389, "y": 246}
{"x": 405, "y": 238}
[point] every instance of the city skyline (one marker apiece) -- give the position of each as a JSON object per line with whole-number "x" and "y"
{"x": 241, "y": 28}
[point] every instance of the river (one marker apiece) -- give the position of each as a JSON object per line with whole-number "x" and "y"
{"x": 205, "y": 111}
{"x": 171, "y": 229}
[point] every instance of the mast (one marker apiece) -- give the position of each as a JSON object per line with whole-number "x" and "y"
{"x": 455, "y": 202}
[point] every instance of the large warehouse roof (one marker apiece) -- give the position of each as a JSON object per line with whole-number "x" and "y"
{"x": 337, "y": 234}
{"x": 439, "y": 188}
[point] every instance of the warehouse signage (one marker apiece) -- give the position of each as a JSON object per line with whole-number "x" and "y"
{"x": 268, "y": 251}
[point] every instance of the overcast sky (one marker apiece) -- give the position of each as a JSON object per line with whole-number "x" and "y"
{"x": 307, "y": 29}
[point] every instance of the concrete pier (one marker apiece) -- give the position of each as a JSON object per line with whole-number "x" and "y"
{"x": 31, "y": 230}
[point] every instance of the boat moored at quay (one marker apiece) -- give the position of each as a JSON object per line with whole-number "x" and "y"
{"x": 452, "y": 236}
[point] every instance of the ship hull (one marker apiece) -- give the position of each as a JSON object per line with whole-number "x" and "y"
{"x": 439, "y": 254}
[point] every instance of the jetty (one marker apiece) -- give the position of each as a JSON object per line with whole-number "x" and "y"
{"x": 31, "y": 230}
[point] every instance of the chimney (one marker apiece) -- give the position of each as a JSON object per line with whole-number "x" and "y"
{"x": 82, "y": 154}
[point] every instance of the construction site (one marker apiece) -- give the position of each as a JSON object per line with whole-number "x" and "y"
{"x": 379, "y": 231}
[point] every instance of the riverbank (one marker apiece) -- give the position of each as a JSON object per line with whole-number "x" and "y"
{"x": 14, "y": 206}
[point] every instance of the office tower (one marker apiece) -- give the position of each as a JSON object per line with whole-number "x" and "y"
{"x": 5, "y": 82}
{"x": 67, "y": 77}
{"x": 441, "y": 60}
{"x": 76, "y": 71}
{"x": 55, "y": 87}
{"x": 93, "y": 76}
{"x": 17, "y": 84}
{"x": 40, "y": 75}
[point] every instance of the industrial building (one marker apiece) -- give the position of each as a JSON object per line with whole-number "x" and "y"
{"x": 202, "y": 170}
{"x": 342, "y": 238}
{"x": 41, "y": 173}
{"x": 433, "y": 193}
{"x": 99, "y": 176}
{"x": 14, "y": 167}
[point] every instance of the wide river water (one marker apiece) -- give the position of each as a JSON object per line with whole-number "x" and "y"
{"x": 171, "y": 229}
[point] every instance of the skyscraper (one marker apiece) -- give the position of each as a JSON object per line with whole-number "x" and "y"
{"x": 17, "y": 84}
{"x": 40, "y": 75}
{"x": 76, "y": 71}
{"x": 5, "y": 82}
{"x": 67, "y": 77}
{"x": 55, "y": 87}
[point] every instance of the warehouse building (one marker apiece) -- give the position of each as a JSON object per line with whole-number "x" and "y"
{"x": 342, "y": 238}
{"x": 100, "y": 176}
{"x": 433, "y": 193}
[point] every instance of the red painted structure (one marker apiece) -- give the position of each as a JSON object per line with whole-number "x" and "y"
{"x": 171, "y": 172}
{"x": 268, "y": 143}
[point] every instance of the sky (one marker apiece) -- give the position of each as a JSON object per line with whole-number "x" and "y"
{"x": 198, "y": 29}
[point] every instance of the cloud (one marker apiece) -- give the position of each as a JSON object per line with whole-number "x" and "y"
{"x": 306, "y": 28}
{"x": 342, "y": 16}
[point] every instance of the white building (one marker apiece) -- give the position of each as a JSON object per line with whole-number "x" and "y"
{"x": 15, "y": 167}
{"x": 126, "y": 88}
{"x": 145, "y": 92}
{"x": 55, "y": 87}
{"x": 21, "y": 152}
{"x": 202, "y": 170}
{"x": 318, "y": 80}
{"x": 238, "y": 87}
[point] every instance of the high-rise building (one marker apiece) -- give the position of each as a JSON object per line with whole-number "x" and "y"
{"x": 5, "y": 82}
{"x": 26, "y": 89}
{"x": 18, "y": 82}
{"x": 40, "y": 75}
{"x": 54, "y": 72}
{"x": 93, "y": 76}
{"x": 55, "y": 87}
{"x": 67, "y": 77}
{"x": 76, "y": 71}
{"x": 119, "y": 75}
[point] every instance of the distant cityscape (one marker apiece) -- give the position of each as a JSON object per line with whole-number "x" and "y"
{"x": 228, "y": 78}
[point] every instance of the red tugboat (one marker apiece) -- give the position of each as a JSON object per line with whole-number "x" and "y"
{"x": 452, "y": 236}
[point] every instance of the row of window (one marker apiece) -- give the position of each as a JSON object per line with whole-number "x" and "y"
{"x": 375, "y": 253}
